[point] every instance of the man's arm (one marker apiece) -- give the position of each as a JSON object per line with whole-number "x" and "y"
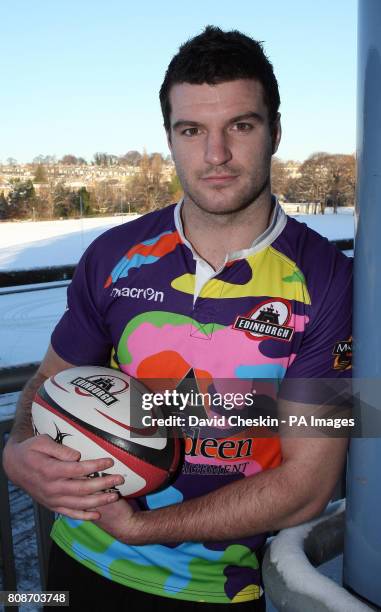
{"x": 277, "y": 498}
{"x": 50, "y": 472}
{"x": 22, "y": 426}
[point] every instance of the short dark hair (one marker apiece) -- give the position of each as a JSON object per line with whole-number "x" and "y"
{"x": 215, "y": 56}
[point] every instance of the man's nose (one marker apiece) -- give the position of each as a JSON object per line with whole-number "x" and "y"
{"x": 217, "y": 149}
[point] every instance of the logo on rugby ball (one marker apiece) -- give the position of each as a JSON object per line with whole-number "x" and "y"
{"x": 59, "y": 437}
{"x": 268, "y": 320}
{"x": 104, "y": 388}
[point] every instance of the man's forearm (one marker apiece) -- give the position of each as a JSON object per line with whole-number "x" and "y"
{"x": 50, "y": 365}
{"x": 256, "y": 504}
{"x": 22, "y": 426}
{"x": 276, "y": 498}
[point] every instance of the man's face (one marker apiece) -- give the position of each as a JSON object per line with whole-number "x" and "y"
{"x": 221, "y": 143}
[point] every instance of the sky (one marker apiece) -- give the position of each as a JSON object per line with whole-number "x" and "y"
{"x": 83, "y": 76}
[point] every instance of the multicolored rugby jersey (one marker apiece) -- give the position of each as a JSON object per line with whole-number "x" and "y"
{"x": 276, "y": 310}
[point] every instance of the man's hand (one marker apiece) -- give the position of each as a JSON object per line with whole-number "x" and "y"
{"x": 50, "y": 472}
{"x": 53, "y": 475}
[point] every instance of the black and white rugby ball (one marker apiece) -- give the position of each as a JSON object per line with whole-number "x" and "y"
{"x": 95, "y": 411}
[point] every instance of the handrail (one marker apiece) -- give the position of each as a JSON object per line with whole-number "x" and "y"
{"x": 291, "y": 580}
{"x": 6, "y": 542}
{"x": 38, "y": 275}
{"x": 12, "y": 379}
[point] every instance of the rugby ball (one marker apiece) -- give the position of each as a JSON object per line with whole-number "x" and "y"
{"x": 97, "y": 411}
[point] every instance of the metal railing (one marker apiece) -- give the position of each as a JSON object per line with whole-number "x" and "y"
{"x": 12, "y": 380}
{"x": 38, "y": 275}
{"x": 7, "y": 553}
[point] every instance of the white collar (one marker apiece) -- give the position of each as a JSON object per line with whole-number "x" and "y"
{"x": 277, "y": 224}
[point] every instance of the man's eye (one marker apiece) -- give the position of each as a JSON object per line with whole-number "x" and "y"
{"x": 242, "y": 126}
{"x": 191, "y": 131}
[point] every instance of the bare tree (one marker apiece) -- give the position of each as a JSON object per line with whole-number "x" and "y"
{"x": 279, "y": 177}
{"x": 325, "y": 179}
{"x": 341, "y": 180}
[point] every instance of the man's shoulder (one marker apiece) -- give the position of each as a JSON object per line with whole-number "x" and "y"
{"x": 326, "y": 270}
{"x": 140, "y": 237}
{"x": 144, "y": 228}
{"x": 309, "y": 250}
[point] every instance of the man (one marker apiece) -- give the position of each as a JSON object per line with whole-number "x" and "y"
{"x": 240, "y": 292}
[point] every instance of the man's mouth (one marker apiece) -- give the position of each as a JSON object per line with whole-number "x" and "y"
{"x": 220, "y": 178}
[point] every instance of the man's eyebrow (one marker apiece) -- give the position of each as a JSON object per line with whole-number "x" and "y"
{"x": 183, "y": 122}
{"x": 250, "y": 115}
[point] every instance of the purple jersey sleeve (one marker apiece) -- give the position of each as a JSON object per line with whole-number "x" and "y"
{"x": 326, "y": 348}
{"x": 81, "y": 336}
{"x": 330, "y": 325}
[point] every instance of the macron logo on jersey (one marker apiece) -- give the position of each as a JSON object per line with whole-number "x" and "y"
{"x": 133, "y": 292}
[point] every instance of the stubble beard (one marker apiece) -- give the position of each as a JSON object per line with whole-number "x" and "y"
{"x": 247, "y": 197}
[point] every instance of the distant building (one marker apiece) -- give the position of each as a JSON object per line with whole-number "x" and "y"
{"x": 292, "y": 208}
{"x": 77, "y": 176}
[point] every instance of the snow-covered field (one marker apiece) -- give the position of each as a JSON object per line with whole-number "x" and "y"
{"x": 333, "y": 227}
{"x": 27, "y": 319}
{"x": 26, "y": 322}
{"x": 27, "y": 245}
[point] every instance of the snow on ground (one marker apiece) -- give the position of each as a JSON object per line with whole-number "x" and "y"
{"x": 26, "y": 323}
{"x": 300, "y": 578}
{"x": 334, "y": 227}
{"x": 27, "y": 245}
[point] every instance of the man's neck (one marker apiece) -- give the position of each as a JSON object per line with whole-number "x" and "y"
{"x": 214, "y": 236}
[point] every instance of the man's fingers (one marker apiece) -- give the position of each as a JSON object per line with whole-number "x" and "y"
{"x": 88, "y": 486}
{"x": 80, "y": 515}
{"x": 83, "y": 503}
{"x": 59, "y": 481}
{"x": 75, "y": 469}
{"x": 84, "y": 468}
{"x": 45, "y": 444}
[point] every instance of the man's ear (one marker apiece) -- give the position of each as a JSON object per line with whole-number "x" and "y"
{"x": 169, "y": 142}
{"x": 276, "y": 133}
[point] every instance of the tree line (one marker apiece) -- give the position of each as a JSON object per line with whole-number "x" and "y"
{"x": 43, "y": 197}
{"x": 131, "y": 158}
{"x": 321, "y": 180}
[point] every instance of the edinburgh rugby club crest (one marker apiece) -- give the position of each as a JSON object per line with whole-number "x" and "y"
{"x": 268, "y": 320}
